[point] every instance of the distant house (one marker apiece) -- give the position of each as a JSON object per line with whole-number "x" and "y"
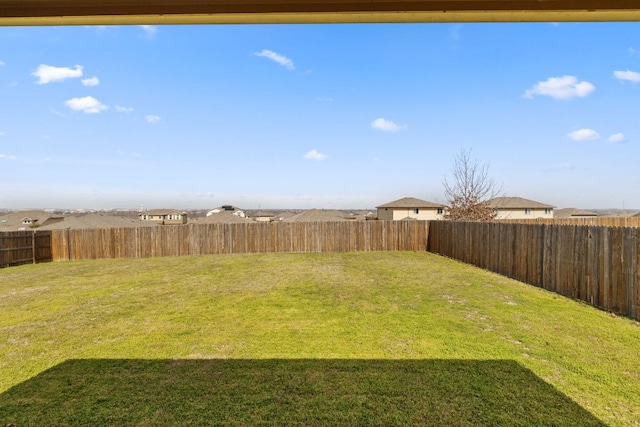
{"x": 264, "y": 216}
{"x": 98, "y": 220}
{"x": 519, "y": 208}
{"x": 223, "y": 217}
{"x": 410, "y": 208}
{"x": 573, "y": 213}
{"x": 228, "y": 208}
{"x": 164, "y": 216}
{"x": 23, "y": 220}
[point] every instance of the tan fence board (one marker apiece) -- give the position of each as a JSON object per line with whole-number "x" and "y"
{"x": 626, "y": 222}
{"x": 596, "y": 264}
{"x": 25, "y": 247}
{"x": 144, "y": 242}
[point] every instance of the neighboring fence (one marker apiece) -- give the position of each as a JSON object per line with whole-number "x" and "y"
{"x": 24, "y": 247}
{"x": 595, "y": 221}
{"x": 598, "y": 265}
{"x": 201, "y": 239}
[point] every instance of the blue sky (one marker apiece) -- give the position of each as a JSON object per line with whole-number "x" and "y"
{"x": 324, "y": 116}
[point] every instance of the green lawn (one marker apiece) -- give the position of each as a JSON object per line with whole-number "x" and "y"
{"x": 397, "y": 338}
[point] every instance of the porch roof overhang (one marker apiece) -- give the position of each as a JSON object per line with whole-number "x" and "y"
{"x": 122, "y": 12}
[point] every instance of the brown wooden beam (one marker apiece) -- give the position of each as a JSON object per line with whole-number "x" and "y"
{"x": 105, "y": 12}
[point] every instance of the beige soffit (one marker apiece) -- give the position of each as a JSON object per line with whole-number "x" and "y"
{"x": 121, "y": 12}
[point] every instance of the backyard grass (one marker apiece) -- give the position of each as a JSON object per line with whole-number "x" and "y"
{"x": 395, "y": 338}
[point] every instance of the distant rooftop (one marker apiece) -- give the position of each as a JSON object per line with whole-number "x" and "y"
{"x": 411, "y": 202}
{"x": 573, "y": 213}
{"x": 516, "y": 203}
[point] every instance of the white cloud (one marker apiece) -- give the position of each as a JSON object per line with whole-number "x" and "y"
{"x": 88, "y": 105}
{"x": 7, "y": 156}
{"x": 315, "y": 155}
{"x": 559, "y": 168}
{"x": 2, "y": 64}
{"x": 121, "y": 109}
{"x": 1, "y": 133}
{"x": 152, "y": 119}
{"x": 565, "y": 87}
{"x": 276, "y": 57}
{"x": 633, "y": 51}
{"x": 47, "y": 73}
{"x": 386, "y": 125}
{"x": 584, "y": 135}
{"x": 93, "y": 81}
{"x": 616, "y": 138}
{"x": 149, "y": 30}
{"x": 630, "y": 76}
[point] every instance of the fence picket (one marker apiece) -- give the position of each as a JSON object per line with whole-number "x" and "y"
{"x": 25, "y": 247}
{"x": 144, "y": 242}
{"x": 598, "y": 265}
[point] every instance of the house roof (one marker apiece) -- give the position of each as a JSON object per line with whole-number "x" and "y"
{"x": 161, "y": 212}
{"x": 619, "y": 213}
{"x": 317, "y": 215}
{"x": 263, "y": 214}
{"x": 13, "y": 221}
{"x": 97, "y": 220}
{"x": 573, "y": 212}
{"x": 516, "y": 203}
{"x": 411, "y": 202}
{"x": 224, "y": 217}
{"x": 278, "y": 214}
{"x": 224, "y": 208}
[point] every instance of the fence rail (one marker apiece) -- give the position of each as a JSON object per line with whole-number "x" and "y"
{"x": 203, "y": 239}
{"x": 24, "y": 247}
{"x": 598, "y": 265}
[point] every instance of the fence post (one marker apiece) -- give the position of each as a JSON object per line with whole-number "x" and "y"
{"x": 68, "y": 245}
{"x": 33, "y": 246}
{"x": 630, "y": 263}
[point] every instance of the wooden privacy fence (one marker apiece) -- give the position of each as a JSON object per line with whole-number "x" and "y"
{"x": 24, "y": 247}
{"x": 595, "y": 221}
{"x": 598, "y": 265}
{"x": 203, "y": 239}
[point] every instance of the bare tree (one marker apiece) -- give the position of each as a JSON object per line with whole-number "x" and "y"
{"x": 471, "y": 188}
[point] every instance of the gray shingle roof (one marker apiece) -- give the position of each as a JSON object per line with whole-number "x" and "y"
{"x": 411, "y": 202}
{"x": 160, "y": 212}
{"x": 263, "y": 214}
{"x": 315, "y": 215}
{"x": 13, "y": 221}
{"x": 98, "y": 220}
{"x": 223, "y": 217}
{"x": 573, "y": 212}
{"x": 516, "y": 203}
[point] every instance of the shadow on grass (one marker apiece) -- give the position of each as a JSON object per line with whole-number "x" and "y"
{"x": 305, "y": 392}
